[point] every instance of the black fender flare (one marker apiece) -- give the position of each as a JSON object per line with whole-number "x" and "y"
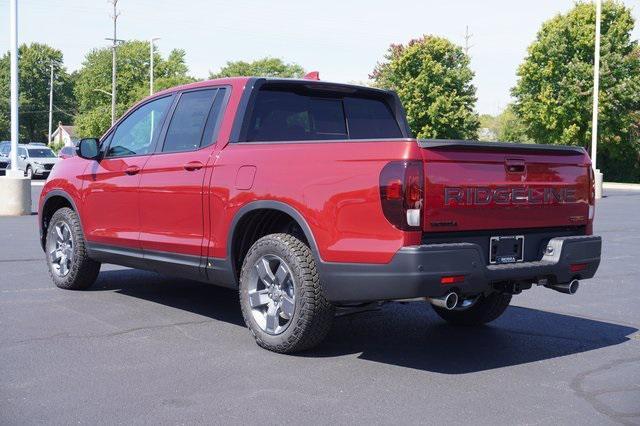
{"x": 273, "y": 205}
{"x": 51, "y": 194}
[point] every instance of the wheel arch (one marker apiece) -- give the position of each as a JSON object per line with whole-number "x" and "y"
{"x": 53, "y": 201}
{"x": 265, "y": 206}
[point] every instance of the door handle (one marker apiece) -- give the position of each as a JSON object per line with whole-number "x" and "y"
{"x": 193, "y": 165}
{"x": 514, "y": 165}
{"x": 132, "y": 170}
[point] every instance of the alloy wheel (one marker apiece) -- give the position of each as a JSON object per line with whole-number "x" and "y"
{"x": 271, "y": 294}
{"x": 60, "y": 248}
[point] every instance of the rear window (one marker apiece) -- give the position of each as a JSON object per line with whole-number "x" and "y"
{"x": 287, "y": 115}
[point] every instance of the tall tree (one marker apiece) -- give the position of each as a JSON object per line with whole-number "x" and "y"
{"x": 433, "y": 79}
{"x": 93, "y": 83}
{"x": 554, "y": 91}
{"x": 265, "y": 67}
{"x": 34, "y": 70}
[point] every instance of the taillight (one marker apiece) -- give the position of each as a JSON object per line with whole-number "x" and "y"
{"x": 402, "y": 194}
{"x": 592, "y": 180}
{"x": 592, "y": 193}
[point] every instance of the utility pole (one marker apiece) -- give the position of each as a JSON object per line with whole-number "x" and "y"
{"x": 50, "y": 104}
{"x": 151, "y": 64}
{"x": 467, "y": 39}
{"x": 596, "y": 91}
{"x": 113, "y": 58}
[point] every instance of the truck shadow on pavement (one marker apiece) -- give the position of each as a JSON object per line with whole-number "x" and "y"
{"x": 408, "y": 335}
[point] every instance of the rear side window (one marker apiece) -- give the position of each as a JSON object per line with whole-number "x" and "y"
{"x": 193, "y": 121}
{"x": 370, "y": 118}
{"x": 288, "y": 115}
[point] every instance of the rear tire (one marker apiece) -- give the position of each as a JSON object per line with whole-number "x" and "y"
{"x": 484, "y": 310}
{"x": 69, "y": 265}
{"x": 281, "y": 296}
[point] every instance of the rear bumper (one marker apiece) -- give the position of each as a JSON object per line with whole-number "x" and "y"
{"x": 416, "y": 271}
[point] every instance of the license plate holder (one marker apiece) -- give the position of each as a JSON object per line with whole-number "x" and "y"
{"x": 506, "y": 249}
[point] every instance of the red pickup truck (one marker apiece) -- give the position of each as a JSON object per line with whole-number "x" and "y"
{"x": 306, "y": 196}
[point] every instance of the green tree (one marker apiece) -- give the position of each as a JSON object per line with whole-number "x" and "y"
{"x": 265, "y": 67}
{"x": 93, "y": 82}
{"x": 34, "y": 70}
{"x": 554, "y": 90}
{"x": 510, "y": 127}
{"x": 432, "y": 78}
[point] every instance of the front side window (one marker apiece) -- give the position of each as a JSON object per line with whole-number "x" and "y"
{"x": 195, "y": 113}
{"x": 136, "y": 134}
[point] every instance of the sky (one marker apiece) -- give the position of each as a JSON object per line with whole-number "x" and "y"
{"x": 342, "y": 39}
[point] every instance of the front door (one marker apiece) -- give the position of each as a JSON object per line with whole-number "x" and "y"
{"x": 171, "y": 185}
{"x": 111, "y": 199}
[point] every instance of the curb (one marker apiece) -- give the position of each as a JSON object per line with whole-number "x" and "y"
{"x": 617, "y": 185}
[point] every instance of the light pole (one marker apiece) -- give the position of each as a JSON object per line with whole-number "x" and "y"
{"x": 596, "y": 90}
{"x": 151, "y": 63}
{"x": 50, "y": 104}
{"x": 13, "y": 25}
{"x": 15, "y": 189}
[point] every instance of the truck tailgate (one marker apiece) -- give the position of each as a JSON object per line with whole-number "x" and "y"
{"x": 491, "y": 186}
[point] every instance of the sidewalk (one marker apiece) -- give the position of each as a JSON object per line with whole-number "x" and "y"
{"x": 616, "y": 185}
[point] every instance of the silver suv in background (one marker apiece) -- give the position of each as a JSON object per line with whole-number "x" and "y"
{"x": 4, "y": 162}
{"x": 34, "y": 159}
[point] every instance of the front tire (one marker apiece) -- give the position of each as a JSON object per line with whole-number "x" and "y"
{"x": 70, "y": 267}
{"x": 281, "y": 296}
{"x": 483, "y": 310}
{"x": 29, "y": 172}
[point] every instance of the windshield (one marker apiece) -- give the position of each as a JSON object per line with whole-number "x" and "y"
{"x": 40, "y": 153}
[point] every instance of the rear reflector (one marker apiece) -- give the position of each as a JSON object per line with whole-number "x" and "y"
{"x": 452, "y": 279}
{"x": 577, "y": 267}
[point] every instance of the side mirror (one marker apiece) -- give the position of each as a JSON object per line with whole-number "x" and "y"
{"x": 88, "y": 148}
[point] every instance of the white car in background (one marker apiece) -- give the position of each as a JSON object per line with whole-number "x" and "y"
{"x": 36, "y": 159}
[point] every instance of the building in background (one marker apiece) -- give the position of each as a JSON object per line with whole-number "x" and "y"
{"x": 64, "y": 135}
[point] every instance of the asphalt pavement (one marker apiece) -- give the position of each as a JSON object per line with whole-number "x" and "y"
{"x": 140, "y": 348}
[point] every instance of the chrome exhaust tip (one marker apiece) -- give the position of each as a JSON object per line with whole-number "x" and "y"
{"x": 448, "y": 301}
{"x": 567, "y": 288}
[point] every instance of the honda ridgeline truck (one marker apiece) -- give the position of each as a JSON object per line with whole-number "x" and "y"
{"x": 308, "y": 196}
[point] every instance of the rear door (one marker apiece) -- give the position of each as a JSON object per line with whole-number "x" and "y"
{"x": 111, "y": 199}
{"x": 171, "y": 185}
